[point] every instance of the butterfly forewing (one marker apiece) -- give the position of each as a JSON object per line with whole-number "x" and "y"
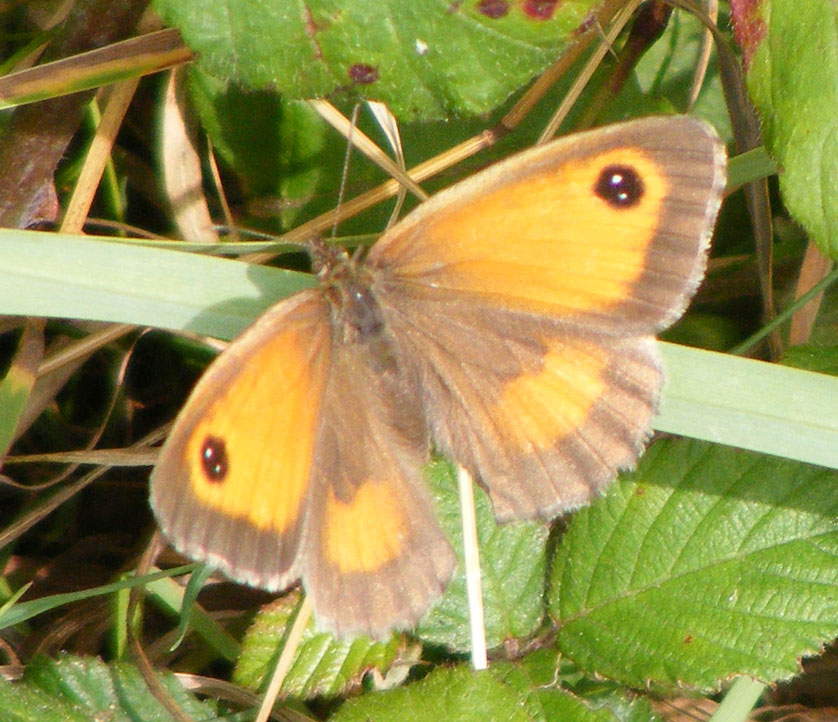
{"x": 606, "y": 229}
{"x": 232, "y": 482}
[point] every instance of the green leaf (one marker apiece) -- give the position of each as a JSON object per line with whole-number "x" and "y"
{"x": 322, "y": 665}
{"x": 424, "y": 58}
{"x": 526, "y": 690}
{"x": 512, "y": 568}
{"x": 540, "y": 681}
{"x": 291, "y": 167}
{"x": 705, "y": 563}
{"x": 451, "y": 694}
{"x": 792, "y": 54}
{"x": 77, "y": 689}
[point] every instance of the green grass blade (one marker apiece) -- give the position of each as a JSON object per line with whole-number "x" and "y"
{"x": 750, "y": 404}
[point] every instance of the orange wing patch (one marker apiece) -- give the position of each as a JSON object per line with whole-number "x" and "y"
{"x": 554, "y": 401}
{"x": 265, "y": 454}
{"x": 366, "y": 533}
{"x": 233, "y": 456}
{"x": 528, "y": 244}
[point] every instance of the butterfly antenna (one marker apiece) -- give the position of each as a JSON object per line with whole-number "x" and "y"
{"x": 345, "y": 174}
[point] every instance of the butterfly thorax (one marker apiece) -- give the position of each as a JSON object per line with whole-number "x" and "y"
{"x": 346, "y": 284}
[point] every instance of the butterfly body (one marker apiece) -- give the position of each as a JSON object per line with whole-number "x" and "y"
{"x": 509, "y": 322}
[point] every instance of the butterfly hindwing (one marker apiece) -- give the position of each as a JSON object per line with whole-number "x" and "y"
{"x": 543, "y": 420}
{"x": 375, "y": 555}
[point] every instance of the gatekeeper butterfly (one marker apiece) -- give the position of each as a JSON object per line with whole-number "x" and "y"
{"x": 508, "y": 322}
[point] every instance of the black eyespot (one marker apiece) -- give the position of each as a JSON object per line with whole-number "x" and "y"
{"x": 620, "y": 186}
{"x": 214, "y": 459}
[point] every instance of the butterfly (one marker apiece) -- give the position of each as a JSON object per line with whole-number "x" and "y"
{"x": 508, "y": 322}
